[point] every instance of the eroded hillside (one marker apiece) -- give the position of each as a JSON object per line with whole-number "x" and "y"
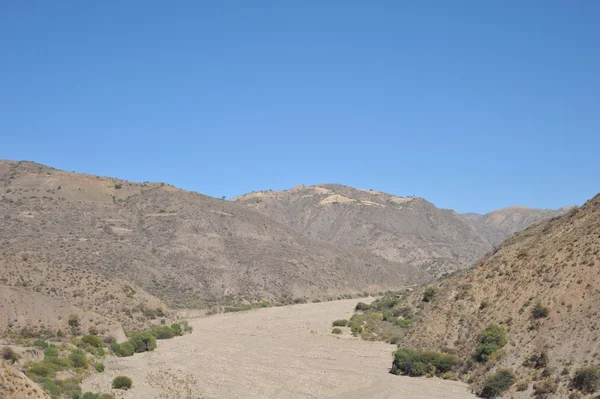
{"x": 542, "y": 286}
{"x": 401, "y": 229}
{"x": 182, "y": 247}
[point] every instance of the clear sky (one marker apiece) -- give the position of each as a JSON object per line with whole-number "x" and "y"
{"x": 474, "y": 105}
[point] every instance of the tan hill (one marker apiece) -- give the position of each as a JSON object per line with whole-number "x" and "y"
{"x": 500, "y": 224}
{"x": 542, "y": 286}
{"x": 15, "y": 385}
{"x": 401, "y": 229}
{"x": 185, "y": 248}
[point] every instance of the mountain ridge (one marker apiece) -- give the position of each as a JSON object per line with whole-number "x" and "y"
{"x": 401, "y": 229}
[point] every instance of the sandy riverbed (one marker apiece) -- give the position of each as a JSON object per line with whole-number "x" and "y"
{"x": 286, "y": 352}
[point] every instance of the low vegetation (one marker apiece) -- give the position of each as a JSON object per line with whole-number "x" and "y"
{"x": 122, "y": 382}
{"x": 145, "y": 341}
{"x": 587, "y": 379}
{"x": 416, "y": 363}
{"x": 492, "y": 339}
{"x": 386, "y": 319}
{"x": 497, "y": 383}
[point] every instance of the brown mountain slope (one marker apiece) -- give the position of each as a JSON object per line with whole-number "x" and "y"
{"x": 554, "y": 264}
{"x": 15, "y": 385}
{"x": 401, "y": 229}
{"x": 185, "y": 248}
{"x": 500, "y": 224}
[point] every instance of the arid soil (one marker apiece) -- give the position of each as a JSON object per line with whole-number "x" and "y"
{"x": 285, "y": 352}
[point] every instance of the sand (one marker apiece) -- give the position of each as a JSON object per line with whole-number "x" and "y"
{"x": 286, "y": 352}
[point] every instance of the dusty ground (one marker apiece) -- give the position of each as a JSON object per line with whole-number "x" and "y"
{"x": 285, "y": 352}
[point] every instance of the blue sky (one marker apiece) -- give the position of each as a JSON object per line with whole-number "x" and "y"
{"x": 474, "y": 105}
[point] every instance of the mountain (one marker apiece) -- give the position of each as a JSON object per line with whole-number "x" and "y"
{"x": 409, "y": 230}
{"x": 542, "y": 285}
{"x": 124, "y": 249}
{"x": 498, "y": 225}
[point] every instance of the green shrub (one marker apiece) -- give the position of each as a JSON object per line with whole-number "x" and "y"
{"x": 587, "y": 379}
{"x": 51, "y": 351}
{"x": 429, "y": 294}
{"x": 491, "y": 340}
{"x": 40, "y": 369}
{"x": 143, "y": 342}
{"x": 497, "y": 383}
{"x": 122, "y": 382}
{"x": 177, "y": 329}
{"x": 362, "y": 307}
{"x": 416, "y": 363}
{"x": 60, "y": 363}
{"x": 355, "y": 327}
{"x": 92, "y": 340}
{"x": 41, "y": 344}
{"x": 99, "y": 367}
{"x": 539, "y": 311}
{"x": 336, "y": 330}
{"x": 340, "y": 323}
{"x": 91, "y": 395}
{"x": 163, "y": 332}
{"x": 78, "y": 358}
{"x": 123, "y": 350}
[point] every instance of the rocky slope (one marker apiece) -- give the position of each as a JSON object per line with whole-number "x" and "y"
{"x": 500, "y": 224}
{"x": 185, "y": 248}
{"x": 402, "y": 229}
{"x": 552, "y": 267}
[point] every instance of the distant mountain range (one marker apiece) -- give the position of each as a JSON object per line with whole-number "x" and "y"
{"x": 120, "y": 252}
{"x": 401, "y": 229}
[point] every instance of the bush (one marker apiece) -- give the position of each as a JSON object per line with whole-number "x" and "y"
{"x": 78, "y": 358}
{"x": 340, "y": 323}
{"x": 497, "y": 383}
{"x": 491, "y": 340}
{"x": 587, "y": 379}
{"x": 99, "y": 367}
{"x": 539, "y": 311}
{"x": 429, "y": 294}
{"x": 92, "y": 340}
{"x": 362, "y": 307}
{"x": 522, "y": 386}
{"x": 336, "y": 331}
{"x": 122, "y": 350}
{"x": 9, "y": 354}
{"x": 40, "y": 344}
{"x": 51, "y": 351}
{"x": 355, "y": 327}
{"x": 122, "y": 382}
{"x": 545, "y": 387}
{"x": 416, "y": 363}
{"x": 163, "y": 332}
{"x": 143, "y": 342}
{"x": 73, "y": 320}
{"x": 177, "y": 329}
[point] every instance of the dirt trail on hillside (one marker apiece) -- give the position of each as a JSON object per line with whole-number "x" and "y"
{"x": 282, "y": 353}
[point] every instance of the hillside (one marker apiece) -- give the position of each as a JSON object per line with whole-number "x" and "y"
{"x": 184, "y": 248}
{"x": 500, "y": 224}
{"x": 401, "y": 229}
{"x": 542, "y": 285}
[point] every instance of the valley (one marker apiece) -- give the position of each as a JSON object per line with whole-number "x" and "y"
{"x": 285, "y": 352}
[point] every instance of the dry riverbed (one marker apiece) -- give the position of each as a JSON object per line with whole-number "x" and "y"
{"x": 285, "y": 352}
